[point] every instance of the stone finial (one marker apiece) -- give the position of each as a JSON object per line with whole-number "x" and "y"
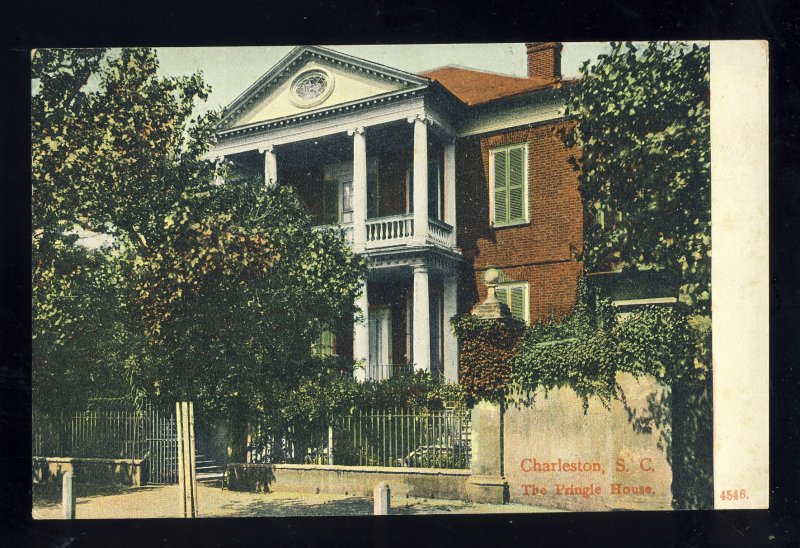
{"x": 491, "y": 307}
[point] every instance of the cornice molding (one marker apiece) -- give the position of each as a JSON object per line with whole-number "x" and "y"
{"x": 301, "y": 54}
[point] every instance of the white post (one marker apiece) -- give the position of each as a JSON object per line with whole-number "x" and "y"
{"x": 450, "y": 342}
{"x": 361, "y": 336}
{"x": 330, "y": 444}
{"x": 270, "y": 166}
{"x": 450, "y": 188}
{"x": 420, "y": 179}
{"x": 422, "y": 327}
{"x": 359, "y": 189}
{"x": 382, "y": 499}
{"x": 68, "y": 495}
{"x": 218, "y": 161}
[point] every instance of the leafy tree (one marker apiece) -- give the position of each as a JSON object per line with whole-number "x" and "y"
{"x": 207, "y": 291}
{"x": 645, "y": 178}
{"x": 233, "y": 299}
{"x": 644, "y": 163}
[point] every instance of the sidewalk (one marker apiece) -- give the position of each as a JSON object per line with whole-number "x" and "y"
{"x": 163, "y": 502}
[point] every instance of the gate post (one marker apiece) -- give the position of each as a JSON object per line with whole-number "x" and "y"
{"x": 487, "y": 482}
{"x": 184, "y": 412}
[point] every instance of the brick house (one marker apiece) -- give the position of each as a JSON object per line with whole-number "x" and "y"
{"x": 369, "y": 147}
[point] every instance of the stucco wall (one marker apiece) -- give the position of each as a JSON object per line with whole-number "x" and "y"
{"x": 348, "y": 480}
{"x": 89, "y": 470}
{"x": 555, "y": 427}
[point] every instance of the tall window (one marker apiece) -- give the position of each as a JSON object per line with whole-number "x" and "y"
{"x": 515, "y": 295}
{"x": 508, "y": 169}
{"x": 325, "y": 346}
{"x": 338, "y": 202}
{"x": 338, "y": 184}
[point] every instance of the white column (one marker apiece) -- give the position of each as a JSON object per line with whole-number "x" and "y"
{"x": 218, "y": 162}
{"x": 450, "y": 343}
{"x": 361, "y": 336}
{"x": 270, "y": 166}
{"x": 420, "y": 178}
{"x": 450, "y": 187}
{"x": 359, "y": 189}
{"x": 422, "y": 327}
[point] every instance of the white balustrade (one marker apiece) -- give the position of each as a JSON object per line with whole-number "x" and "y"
{"x": 396, "y": 230}
{"x": 389, "y": 230}
{"x": 440, "y": 233}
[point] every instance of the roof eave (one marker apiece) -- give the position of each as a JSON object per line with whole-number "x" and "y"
{"x": 286, "y": 120}
{"x": 554, "y": 89}
{"x": 237, "y": 104}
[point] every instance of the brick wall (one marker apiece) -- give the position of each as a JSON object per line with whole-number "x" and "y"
{"x": 540, "y": 252}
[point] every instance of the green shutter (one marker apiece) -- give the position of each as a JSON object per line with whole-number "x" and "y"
{"x": 517, "y": 304}
{"x": 331, "y": 202}
{"x": 501, "y": 294}
{"x": 500, "y": 187}
{"x": 516, "y": 184}
{"x": 325, "y": 346}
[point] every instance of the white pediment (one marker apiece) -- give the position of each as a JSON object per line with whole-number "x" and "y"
{"x": 312, "y": 79}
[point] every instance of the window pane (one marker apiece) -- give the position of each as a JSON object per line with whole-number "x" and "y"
{"x": 347, "y": 202}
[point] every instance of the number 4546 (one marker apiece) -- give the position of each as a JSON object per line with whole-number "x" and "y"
{"x": 729, "y": 494}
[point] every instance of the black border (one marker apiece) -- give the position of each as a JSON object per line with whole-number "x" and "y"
{"x": 93, "y": 23}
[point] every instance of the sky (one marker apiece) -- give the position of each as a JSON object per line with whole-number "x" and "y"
{"x": 230, "y": 70}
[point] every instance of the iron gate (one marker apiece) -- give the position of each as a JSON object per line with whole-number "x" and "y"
{"x": 162, "y": 442}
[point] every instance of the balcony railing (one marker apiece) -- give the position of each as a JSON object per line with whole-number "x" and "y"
{"x": 396, "y": 230}
{"x": 386, "y": 231}
{"x": 377, "y": 372}
{"x": 440, "y": 233}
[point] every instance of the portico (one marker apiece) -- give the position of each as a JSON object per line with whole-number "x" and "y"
{"x": 380, "y": 169}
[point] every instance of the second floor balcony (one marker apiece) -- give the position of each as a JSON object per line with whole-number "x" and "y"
{"x": 397, "y": 231}
{"x": 370, "y": 184}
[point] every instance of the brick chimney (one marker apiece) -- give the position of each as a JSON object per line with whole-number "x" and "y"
{"x": 544, "y": 60}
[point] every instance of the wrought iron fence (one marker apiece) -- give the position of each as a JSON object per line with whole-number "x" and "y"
{"x": 104, "y": 433}
{"x": 90, "y": 433}
{"x": 397, "y": 438}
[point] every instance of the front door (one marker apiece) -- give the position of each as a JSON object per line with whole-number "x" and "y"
{"x": 380, "y": 343}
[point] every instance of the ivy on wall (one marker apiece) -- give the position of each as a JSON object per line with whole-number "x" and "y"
{"x": 487, "y": 348}
{"x": 587, "y": 349}
{"x": 504, "y": 361}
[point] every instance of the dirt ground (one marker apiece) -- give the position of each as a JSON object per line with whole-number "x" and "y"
{"x": 164, "y": 502}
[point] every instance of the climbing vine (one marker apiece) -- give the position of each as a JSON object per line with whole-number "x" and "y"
{"x": 587, "y": 349}
{"x": 487, "y": 348}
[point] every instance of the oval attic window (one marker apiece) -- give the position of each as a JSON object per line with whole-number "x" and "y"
{"x": 311, "y": 88}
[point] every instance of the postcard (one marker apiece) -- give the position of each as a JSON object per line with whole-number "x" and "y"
{"x": 400, "y": 279}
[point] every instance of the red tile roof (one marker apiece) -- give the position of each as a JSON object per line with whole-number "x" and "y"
{"x": 475, "y": 87}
